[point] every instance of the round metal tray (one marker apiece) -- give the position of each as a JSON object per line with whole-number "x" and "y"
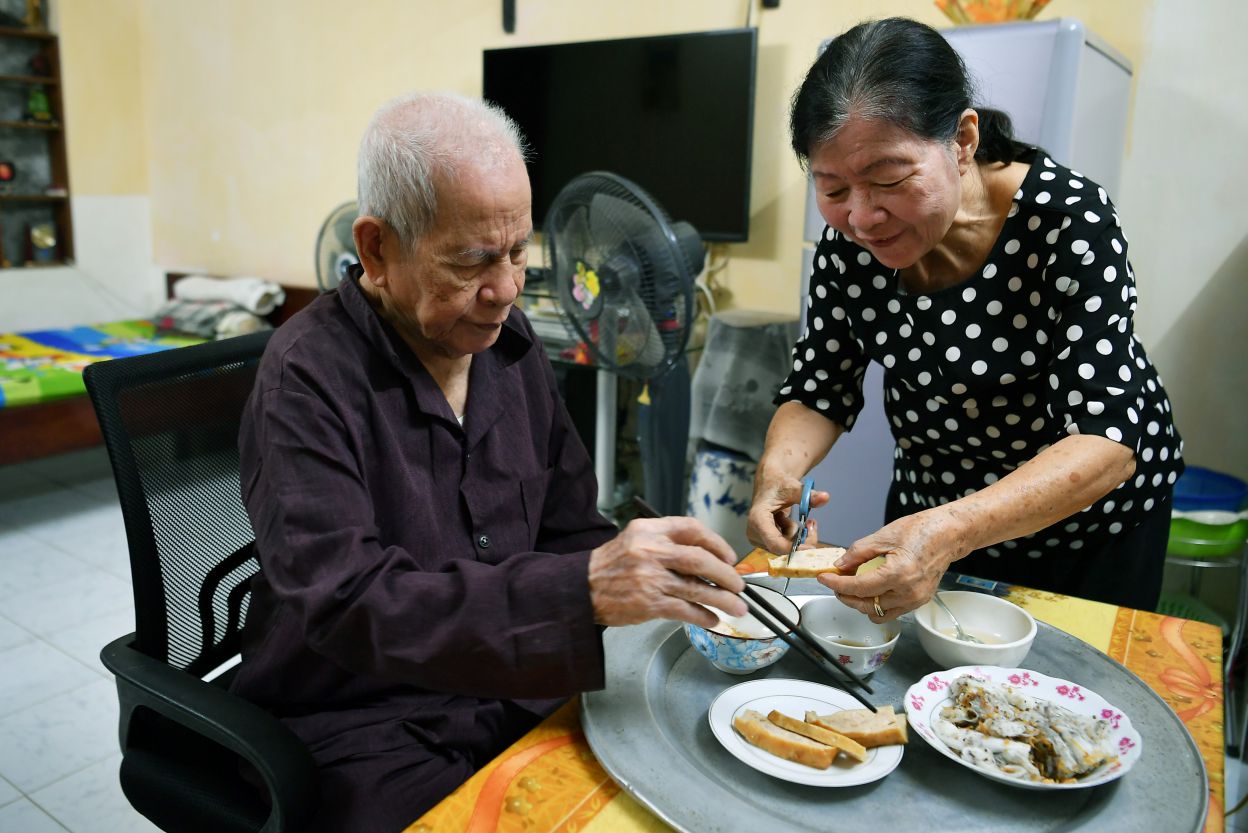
{"x": 649, "y": 729}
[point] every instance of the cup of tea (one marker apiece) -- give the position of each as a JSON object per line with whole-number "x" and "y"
{"x": 860, "y": 644}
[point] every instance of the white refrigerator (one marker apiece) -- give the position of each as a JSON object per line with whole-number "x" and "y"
{"x": 1067, "y": 91}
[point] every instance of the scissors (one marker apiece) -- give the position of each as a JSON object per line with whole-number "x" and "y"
{"x": 803, "y": 516}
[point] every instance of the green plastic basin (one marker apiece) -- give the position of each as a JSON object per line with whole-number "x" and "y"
{"x": 1207, "y": 533}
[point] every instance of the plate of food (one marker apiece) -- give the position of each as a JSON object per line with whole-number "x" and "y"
{"x": 807, "y": 733}
{"x": 1023, "y": 728}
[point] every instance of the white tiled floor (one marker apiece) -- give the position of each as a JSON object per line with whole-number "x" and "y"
{"x": 64, "y": 593}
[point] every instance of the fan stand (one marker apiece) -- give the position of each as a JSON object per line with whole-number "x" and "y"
{"x": 605, "y": 440}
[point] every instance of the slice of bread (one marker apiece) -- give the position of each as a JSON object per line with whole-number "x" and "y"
{"x": 822, "y": 734}
{"x": 805, "y": 563}
{"x": 871, "y": 729}
{"x": 791, "y": 746}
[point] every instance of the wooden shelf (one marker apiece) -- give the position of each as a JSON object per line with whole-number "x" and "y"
{"x": 20, "y": 208}
{"x": 28, "y": 79}
{"x": 34, "y": 34}
{"x": 32, "y": 125}
{"x": 51, "y": 264}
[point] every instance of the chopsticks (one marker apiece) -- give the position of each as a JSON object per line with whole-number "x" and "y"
{"x": 792, "y": 634}
{"x": 803, "y": 643}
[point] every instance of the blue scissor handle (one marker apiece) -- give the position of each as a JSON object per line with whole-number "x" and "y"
{"x": 803, "y": 512}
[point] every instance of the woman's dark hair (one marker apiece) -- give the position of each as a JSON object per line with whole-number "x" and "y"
{"x": 900, "y": 71}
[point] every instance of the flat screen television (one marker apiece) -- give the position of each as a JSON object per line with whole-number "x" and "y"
{"x": 673, "y": 113}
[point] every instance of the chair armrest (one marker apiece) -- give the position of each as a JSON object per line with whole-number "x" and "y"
{"x": 258, "y": 737}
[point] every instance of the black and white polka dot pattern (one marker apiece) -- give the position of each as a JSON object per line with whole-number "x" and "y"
{"x": 979, "y": 377}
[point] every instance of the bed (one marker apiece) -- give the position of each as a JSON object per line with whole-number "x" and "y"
{"x": 44, "y": 408}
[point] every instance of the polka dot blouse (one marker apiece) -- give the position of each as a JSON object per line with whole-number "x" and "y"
{"x": 979, "y": 377}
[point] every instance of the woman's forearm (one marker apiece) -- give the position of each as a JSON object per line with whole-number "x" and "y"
{"x": 1058, "y": 482}
{"x": 797, "y": 439}
{"x": 1065, "y": 478}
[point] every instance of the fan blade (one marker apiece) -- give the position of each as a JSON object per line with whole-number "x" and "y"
{"x": 342, "y": 228}
{"x": 639, "y": 347}
{"x": 335, "y": 247}
{"x": 608, "y": 330}
{"x": 664, "y": 278}
{"x": 690, "y": 244}
{"x": 570, "y": 256}
{"x": 615, "y": 221}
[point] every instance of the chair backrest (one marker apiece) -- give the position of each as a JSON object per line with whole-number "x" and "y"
{"x": 170, "y": 423}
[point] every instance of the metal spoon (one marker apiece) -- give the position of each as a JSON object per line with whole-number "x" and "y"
{"x": 962, "y": 634}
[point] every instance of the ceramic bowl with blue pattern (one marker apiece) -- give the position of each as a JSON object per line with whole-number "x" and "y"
{"x": 742, "y": 644}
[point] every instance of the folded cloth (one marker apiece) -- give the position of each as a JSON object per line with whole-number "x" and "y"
{"x": 252, "y": 294}
{"x": 207, "y": 319}
{"x": 239, "y": 322}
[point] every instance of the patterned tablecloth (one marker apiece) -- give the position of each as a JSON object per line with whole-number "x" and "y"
{"x": 550, "y": 782}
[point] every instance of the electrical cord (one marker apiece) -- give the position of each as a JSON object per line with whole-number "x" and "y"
{"x": 101, "y": 290}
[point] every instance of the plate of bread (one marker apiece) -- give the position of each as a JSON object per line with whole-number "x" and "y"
{"x": 807, "y": 733}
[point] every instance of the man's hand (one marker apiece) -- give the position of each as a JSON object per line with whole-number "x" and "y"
{"x": 658, "y": 568}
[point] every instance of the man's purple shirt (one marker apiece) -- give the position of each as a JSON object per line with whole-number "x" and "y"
{"x": 413, "y": 569}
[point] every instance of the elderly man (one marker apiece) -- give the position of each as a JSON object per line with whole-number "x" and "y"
{"x": 435, "y": 573}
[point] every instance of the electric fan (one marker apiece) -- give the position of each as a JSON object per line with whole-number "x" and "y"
{"x": 335, "y": 247}
{"x": 623, "y": 274}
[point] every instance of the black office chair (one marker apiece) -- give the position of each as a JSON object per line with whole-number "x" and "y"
{"x": 170, "y": 423}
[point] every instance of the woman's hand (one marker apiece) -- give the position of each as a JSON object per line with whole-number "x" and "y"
{"x": 769, "y": 525}
{"x": 797, "y": 439}
{"x": 917, "y": 550}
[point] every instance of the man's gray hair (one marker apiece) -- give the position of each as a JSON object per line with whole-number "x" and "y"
{"x": 415, "y": 143}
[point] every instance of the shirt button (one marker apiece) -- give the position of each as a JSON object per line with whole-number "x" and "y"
{"x": 484, "y": 542}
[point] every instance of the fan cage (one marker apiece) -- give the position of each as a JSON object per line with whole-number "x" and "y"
{"x": 580, "y": 233}
{"x": 333, "y": 242}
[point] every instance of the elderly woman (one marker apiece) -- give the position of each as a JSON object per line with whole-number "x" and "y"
{"x": 1034, "y": 441}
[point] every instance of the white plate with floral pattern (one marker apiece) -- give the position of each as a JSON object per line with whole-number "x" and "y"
{"x": 794, "y": 697}
{"x": 926, "y": 697}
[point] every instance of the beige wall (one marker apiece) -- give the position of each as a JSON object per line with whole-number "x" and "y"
{"x": 1183, "y": 207}
{"x": 240, "y": 121}
{"x": 255, "y": 109}
{"x": 106, "y": 136}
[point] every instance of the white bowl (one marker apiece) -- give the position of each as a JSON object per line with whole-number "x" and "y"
{"x": 850, "y": 636}
{"x": 1006, "y": 628}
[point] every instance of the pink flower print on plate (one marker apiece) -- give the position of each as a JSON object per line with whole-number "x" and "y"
{"x": 936, "y": 684}
{"x": 916, "y": 702}
{"x": 1112, "y": 716}
{"x": 1024, "y": 679}
{"x": 1071, "y": 692}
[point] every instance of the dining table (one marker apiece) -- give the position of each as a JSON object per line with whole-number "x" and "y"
{"x": 549, "y": 781}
